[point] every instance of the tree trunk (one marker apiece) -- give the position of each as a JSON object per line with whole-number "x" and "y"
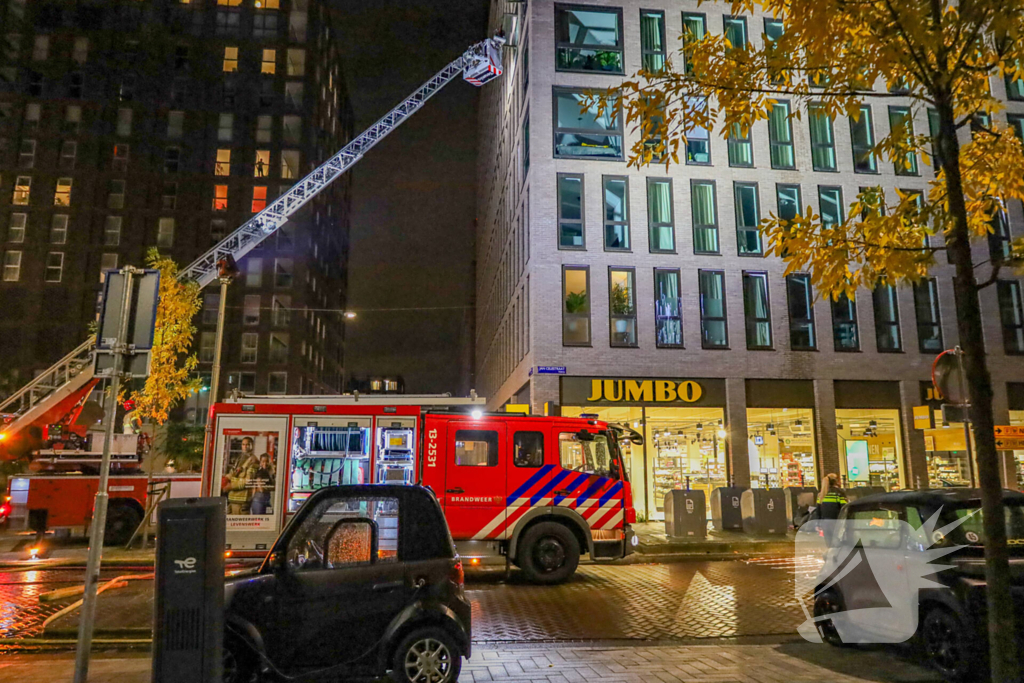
{"x": 1001, "y": 631}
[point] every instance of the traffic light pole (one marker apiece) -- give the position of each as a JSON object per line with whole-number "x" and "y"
{"x": 99, "y": 517}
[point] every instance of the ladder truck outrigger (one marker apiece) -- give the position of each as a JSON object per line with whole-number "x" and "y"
{"x": 564, "y": 495}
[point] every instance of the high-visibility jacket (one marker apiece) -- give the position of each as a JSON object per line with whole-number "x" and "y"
{"x": 834, "y": 497}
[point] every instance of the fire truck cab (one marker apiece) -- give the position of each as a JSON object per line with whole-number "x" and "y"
{"x": 536, "y": 491}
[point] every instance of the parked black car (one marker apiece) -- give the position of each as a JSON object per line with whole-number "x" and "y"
{"x": 363, "y": 580}
{"x": 950, "y": 624}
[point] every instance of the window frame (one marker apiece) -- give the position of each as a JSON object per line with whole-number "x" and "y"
{"x": 839, "y": 189}
{"x": 866, "y": 115}
{"x": 632, "y": 316}
{"x": 687, "y": 68}
{"x": 254, "y": 349}
{"x": 815, "y": 145}
{"x": 516, "y": 444}
{"x": 774, "y": 143}
{"x": 724, "y": 318}
{"x": 556, "y": 130}
{"x": 852, "y": 320}
{"x": 604, "y": 213}
{"x": 915, "y": 167}
{"x": 646, "y": 52}
{"x": 734, "y": 142}
{"x": 794, "y": 320}
{"x": 1011, "y": 289}
{"x": 59, "y": 267}
{"x": 653, "y": 225}
{"x": 715, "y": 227}
{"x": 678, "y": 317}
{"x": 16, "y": 233}
{"x": 876, "y": 304}
{"x": 493, "y": 447}
{"x": 737, "y": 185}
{"x": 9, "y": 267}
{"x": 932, "y": 285}
{"x": 620, "y": 46}
{"x": 558, "y": 211}
{"x": 578, "y": 316}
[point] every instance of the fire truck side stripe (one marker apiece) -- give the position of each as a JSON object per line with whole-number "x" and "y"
{"x": 550, "y": 485}
{"x": 541, "y": 473}
{"x": 611, "y": 492}
{"x": 571, "y": 488}
{"x": 594, "y": 488}
{"x": 613, "y": 521}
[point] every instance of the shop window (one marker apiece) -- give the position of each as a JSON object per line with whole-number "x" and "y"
{"x": 250, "y": 344}
{"x": 622, "y": 307}
{"x": 713, "y": 326}
{"x": 230, "y": 60}
{"x": 280, "y": 310}
{"x": 748, "y": 218}
{"x": 120, "y": 161}
{"x": 169, "y": 196}
{"x": 830, "y": 205}
{"x": 844, "y": 324}
{"x": 570, "y": 212}
{"x": 107, "y": 262}
{"x": 1000, "y": 247}
{"x": 668, "y": 321}
{"x": 705, "y": 216}
{"x": 225, "y": 127}
{"x": 901, "y": 118}
{"x": 290, "y": 164}
{"x": 476, "y": 448}
{"x": 740, "y": 147}
{"x": 12, "y": 266}
{"x": 165, "y": 232}
{"x": 652, "y": 40}
{"x": 259, "y": 198}
{"x": 278, "y": 347}
{"x": 694, "y": 31}
{"x": 887, "y": 319}
{"x": 588, "y": 39}
{"x": 823, "y": 144}
{"x": 929, "y": 322}
{"x": 262, "y": 166}
{"x": 277, "y": 383}
{"x": 208, "y": 344}
{"x": 115, "y": 194}
{"x": 223, "y": 164}
{"x": 780, "y": 447}
{"x": 220, "y": 197}
{"x": 575, "y": 306}
{"x": 59, "y": 229}
{"x": 1011, "y": 314}
{"x": 870, "y": 448}
{"x": 802, "y": 335}
{"x": 586, "y": 134}
{"x": 211, "y": 306}
{"x": 862, "y": 136}
{"x": 254, "y": 272}
{"x": 296, "y": 62}
{"x": 616, "y": 213}
{"x": 283, "y": 269}
{"x": 686, "y": 448}
{"x": 54, "y": 266}
{"x": 68, "y": 155}
{"x": 62, "y": 195}
{"x": 251, "y": 309}
{"x": 660, "y": 215}
{"x": 269, "y": 65}
{"x": 27, "y": 154}
{"x": 16, "y": 228}
{"x": 757, "y": 310}
{"x": 528, "y": 449}
{"x": 698, "y": 138}
{"x": 22, "y": 190}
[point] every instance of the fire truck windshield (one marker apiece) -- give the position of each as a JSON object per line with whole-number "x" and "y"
{"x": 591, "y": 453}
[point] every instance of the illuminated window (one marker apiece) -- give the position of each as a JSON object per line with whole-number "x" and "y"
{"x": 229, "y": 3}
{"x": 22, "y": 189}
{"x": 12, "y": 266}
{"x": 259, "y": 198}
{"x": 165, "y": 232}
{"x": 72, "y": 119}
{"x": 268, "y": 4}
{"x": 269, "y": 61}
{"x": 262, "y": 165}
{"x": 290, "y": 163}
{"x": 230, "y": 59}
{"x": 80, "y": 52}
{"x": 220, "y": 197}
{"x": 223, "y": 165}
{"x": 62, "y": 197}
{"x": 296, "y": 62}
{"x": 16, "y": 229}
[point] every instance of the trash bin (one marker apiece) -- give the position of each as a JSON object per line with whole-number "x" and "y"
{"x": 725, "y": 508}
{"x": 857, "y": 492}
{"x": 798, "y": 499}
{"x": 686, "y": 514}
{"x": 764, "y": 512}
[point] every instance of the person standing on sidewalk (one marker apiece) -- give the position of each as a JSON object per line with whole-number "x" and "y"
{"x": 832, "y": 497}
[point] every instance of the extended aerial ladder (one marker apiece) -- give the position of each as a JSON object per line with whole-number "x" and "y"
{"x": 57, "y": 390}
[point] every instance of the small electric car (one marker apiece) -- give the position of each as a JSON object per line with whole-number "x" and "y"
{"x": 363, "y": 581}
{"x": 949, "y": 623}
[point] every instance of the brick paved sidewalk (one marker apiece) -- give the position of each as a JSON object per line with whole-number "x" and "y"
{"x": 723, "y": 662}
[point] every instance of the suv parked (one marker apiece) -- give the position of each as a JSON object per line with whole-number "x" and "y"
{"x": 950, "y": 624}
{"x": 363, "y": 580}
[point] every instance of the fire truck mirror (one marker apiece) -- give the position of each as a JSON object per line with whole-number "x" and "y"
{"x": 584, "y": 435}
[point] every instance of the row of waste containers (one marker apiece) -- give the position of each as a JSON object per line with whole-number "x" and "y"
{"x": 752, "y": 511}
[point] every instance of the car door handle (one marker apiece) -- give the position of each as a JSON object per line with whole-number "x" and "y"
{"x": 563, "y": 492}
{"x": 388, "y": 586}
{"x": 454, "y": 491}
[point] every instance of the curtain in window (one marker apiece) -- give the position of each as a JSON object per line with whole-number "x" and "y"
{"x": 659, "y": 212}
{"x": 705, "y": 233}
{"x": 822, "y": 152}
{"x": 756, "y": 299}
{"x": 650, "y": 32}
{"x": 668, "y": 325}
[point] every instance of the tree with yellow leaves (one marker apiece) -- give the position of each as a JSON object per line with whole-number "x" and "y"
{"x": 171, "y": 376}
{"x": 831, "y": 56}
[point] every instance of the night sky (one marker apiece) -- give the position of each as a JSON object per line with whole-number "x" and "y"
{"x": 414, "y": 196}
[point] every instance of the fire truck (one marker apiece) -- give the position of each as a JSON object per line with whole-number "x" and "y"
{"x": 538, "y": 492}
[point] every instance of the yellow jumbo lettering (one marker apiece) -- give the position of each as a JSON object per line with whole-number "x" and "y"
{"x": 595, "y": 390}
{"x": 639, "y": 391}
{"x": 664, "y": 391}
{"x": 689, "y": 391}
{"x": 613, "y": 390}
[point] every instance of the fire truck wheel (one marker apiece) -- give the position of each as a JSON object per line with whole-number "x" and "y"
{"x": 548, "y": 553}
{"x": 122, "y": 521}
{"x": 427, "y": 655}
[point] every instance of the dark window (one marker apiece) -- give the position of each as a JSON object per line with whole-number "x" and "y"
{"x": 887, "y": 319}
{"x": 844, "y": 324}
{"x": 713, "y": 326}
{"x": 172, "y": 159}
{"x": 788, "y": 199}
{"x": 823, "y": 143}
{"x": 802, "y": 336}
{"x": 586, "y": 134}
{"x": 576, "y": 307}
{"x": 1011, "y": 313}
{"x": 1014, "y": 88}
{"x": 76, "y": 84}
{"x": 735, "y": 32}
{"x": 929, "y": 322}
{"x": 933, "y": 131}
{"x": 528, "y": 449}
{"x": 668, "y": 323}
{"x": 652, "y": 40}
{"x": 757, "y": 310}
{"x": 616, "y": 213}
{"x": 901, "y": 119}
{"x": 1000, "y": 247}
{"x": 773, "y": 30}
{"x": 588, "y": 39}
{"x": 570, "y": 212}
{"x": 705, "y": 217}
{"x": 780, "y": 136}
{"x": 476, "y": 448}
{"x": 830, "y": 205}
{"x": 748, "y": 218}
{"x": 622, "y": 307}
{"x": 862, "y": 137}
{"x": 660, "y": 222}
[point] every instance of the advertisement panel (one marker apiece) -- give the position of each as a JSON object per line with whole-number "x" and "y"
{"x": 249, "y": 478}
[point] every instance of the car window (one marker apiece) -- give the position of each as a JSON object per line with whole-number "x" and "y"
{"x": 476, "y": 448}
{"x": 528, "y": 449}
{"x": 590, "y": 456}
{"x": 875, "y": 528}
{"x": 344, "y": 531}
{"x": 972, "y": 530}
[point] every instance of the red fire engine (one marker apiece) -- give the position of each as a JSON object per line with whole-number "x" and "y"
{"x": 540, "y": 491}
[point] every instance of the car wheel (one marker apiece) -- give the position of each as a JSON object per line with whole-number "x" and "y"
{"x": 238, "y": 663}
{"x": 427, "y": 655}
{"x": 548, "y": 553}
{"x": 942, "y": 636}
{"x": 825, "y": 604}
{"x": 122, "y": 521}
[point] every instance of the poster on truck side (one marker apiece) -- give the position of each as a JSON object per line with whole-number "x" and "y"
{"x": 249, "y": 477}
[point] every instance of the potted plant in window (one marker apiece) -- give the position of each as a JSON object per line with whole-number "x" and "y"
{"x": 575, "y": 302}
{"x": 621, "y": 306}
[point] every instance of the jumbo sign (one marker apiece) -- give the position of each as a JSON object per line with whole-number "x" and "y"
{"x": 583, "y": 391}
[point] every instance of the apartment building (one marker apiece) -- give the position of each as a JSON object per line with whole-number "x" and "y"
{"x": 644, "y": 296}
{"x": 168, "y": 123}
